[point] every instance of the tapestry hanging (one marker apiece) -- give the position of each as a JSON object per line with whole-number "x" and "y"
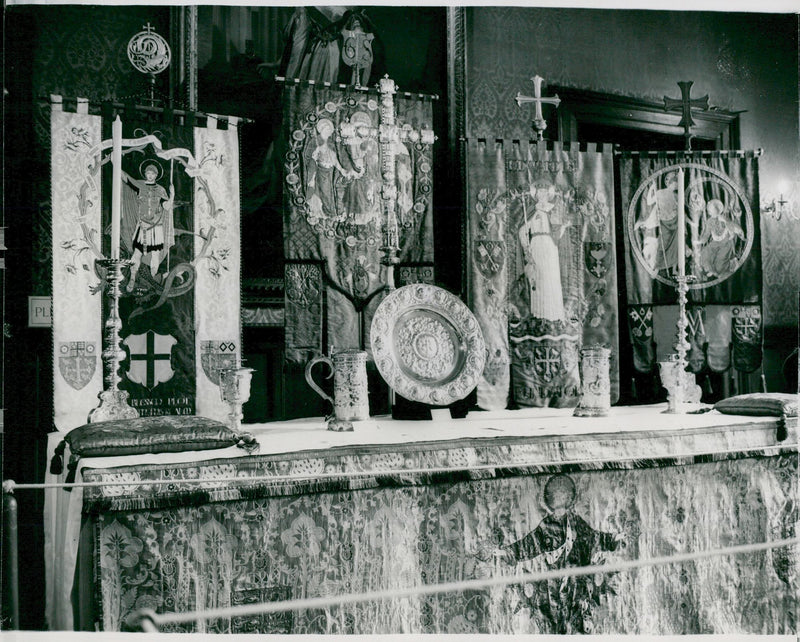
{"x": 334, "y": 223}
{"x": 179, "y": 228}
{"x": 284, "y": 539}
{"x": 542, "y": 267}
{"x": 721, "y": 256}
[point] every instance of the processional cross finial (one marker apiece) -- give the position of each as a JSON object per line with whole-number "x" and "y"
{"x": 539, "y": 123}
{"x": 357, "y": 50}
{"x": 389, "y": 135}
{"x": 685, "y": 104}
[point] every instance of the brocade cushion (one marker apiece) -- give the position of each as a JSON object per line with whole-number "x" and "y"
{"x": 167, "y": 433}
{"x": 772, "y": 404}
{"x": 769, "y": 404}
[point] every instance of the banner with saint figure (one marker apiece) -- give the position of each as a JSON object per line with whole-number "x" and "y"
{"x": 721, "y": 254}
{"x": 334, "y": 210}
{"x": 179, "y": 231}
{"x": 543, "y": 260}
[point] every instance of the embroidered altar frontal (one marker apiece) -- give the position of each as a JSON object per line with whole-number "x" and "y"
{"x": 542, "y": 267}
{"x": 179, "y": 229}
{"x": 393, "y": 526}
{"x": 335, "y": 212}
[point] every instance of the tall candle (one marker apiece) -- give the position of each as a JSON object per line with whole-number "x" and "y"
{"x": 116, "y": 185}
{"x": 681, "y": 238}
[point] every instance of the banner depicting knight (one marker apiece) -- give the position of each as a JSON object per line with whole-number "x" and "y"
{"x": 179, "y": 233}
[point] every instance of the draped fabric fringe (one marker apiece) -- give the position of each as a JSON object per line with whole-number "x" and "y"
{"x": 581, "y": 146}
{"x": 253, "y": 490}
{"x": 568, "y": 146}
{"x": 738, "y": 153}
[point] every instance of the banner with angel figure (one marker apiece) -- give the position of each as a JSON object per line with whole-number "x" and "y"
{"x": 542, "y": 275}
{"x": 179, "y": 230}
{"x": 722, "y": 257}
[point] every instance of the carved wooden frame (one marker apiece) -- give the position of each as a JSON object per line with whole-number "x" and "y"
{"x": 580, "y": 106}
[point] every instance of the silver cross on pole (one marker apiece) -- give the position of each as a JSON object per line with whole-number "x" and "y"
{"x": 539, "y": 123}
{"x": 389, "y": 135}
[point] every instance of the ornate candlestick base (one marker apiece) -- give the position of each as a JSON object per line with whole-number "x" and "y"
{"x": 683, "y": 393}
{"x": 234, "y": 387}
{"x": 113, "y": 402}
{"x": 113, "y": 405}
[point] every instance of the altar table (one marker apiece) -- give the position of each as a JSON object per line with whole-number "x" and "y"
{"x": 397, "y": 504}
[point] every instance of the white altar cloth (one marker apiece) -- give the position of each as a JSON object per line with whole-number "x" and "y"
{"x": 631, "y": 432}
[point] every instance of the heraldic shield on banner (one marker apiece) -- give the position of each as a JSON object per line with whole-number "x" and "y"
{"x": 77, "y": 362}
{"x": 150, "y": 358}
{"x": 216, "y": 355}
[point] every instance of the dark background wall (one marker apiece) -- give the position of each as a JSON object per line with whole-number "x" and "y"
{"x": 745, "y": 62}
{"x": 75, "y": 51}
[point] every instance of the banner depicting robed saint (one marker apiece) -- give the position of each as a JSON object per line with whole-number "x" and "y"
{"x": 542, "y": 267}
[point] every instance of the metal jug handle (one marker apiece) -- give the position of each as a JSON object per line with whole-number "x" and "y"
{"x": 310, "y": 380}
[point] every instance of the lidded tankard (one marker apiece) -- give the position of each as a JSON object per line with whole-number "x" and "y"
{"x": 350, "y": 391}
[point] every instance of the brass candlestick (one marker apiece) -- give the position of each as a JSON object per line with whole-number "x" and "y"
{"x": 113, "y": 401}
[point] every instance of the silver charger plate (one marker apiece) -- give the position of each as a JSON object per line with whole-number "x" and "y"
{"x": 427, "y": 344}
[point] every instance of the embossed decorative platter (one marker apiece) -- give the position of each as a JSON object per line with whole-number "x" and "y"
{"x": 427, "y": 344}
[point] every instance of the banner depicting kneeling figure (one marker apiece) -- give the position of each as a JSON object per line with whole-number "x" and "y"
{"x": 542, "y": 267}
{"x": 179, "y": 228}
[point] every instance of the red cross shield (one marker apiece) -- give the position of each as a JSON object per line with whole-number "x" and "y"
{"x": 150, "y": 358}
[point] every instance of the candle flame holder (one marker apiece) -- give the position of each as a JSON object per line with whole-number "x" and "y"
{"x": 113, "y": 401}
{"x": 234, "y": 387}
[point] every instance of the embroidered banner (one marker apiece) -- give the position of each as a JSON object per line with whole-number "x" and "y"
{"x": 334, "y": 213}
{"x": 542, "y": 256}
{"x": 76, "y": 225}
{"x": 487, "y": 254}
{"x": 401, "y": 531}
{"x": 179, "y": 304}
{"x": 217, "y": 261}
{"x": 722, "y": 255}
